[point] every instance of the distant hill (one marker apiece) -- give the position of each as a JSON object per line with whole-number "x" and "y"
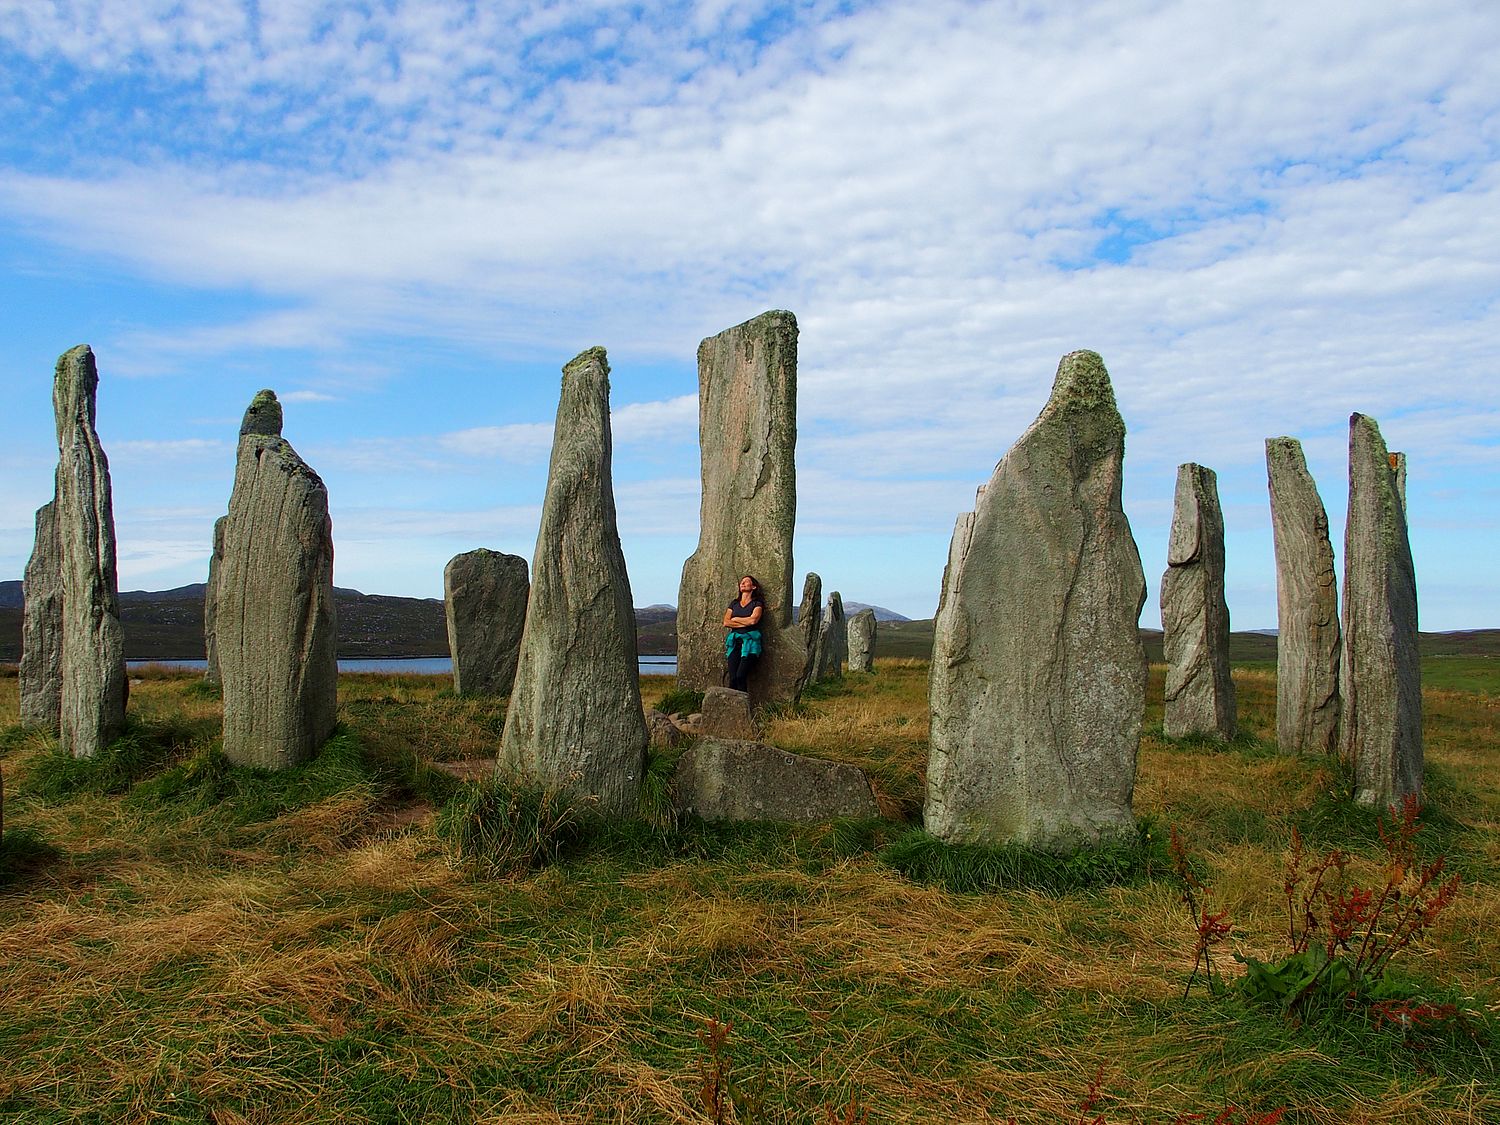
{"x": 168, "y": 624}
{"x": 881, "y": 613}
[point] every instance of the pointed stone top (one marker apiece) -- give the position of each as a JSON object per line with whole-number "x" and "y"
{"x": 263, "y": 416}
{"x": 1082, "y": 383}
{"x": 74, "y": 385}
{"x": 1287, "y": 447}
{"x": 587, "y": 356}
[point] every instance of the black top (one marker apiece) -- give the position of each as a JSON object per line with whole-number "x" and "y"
{"x": 737, "y": 610}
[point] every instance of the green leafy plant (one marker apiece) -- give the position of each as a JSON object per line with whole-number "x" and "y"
{"x": 1344, "y": 935}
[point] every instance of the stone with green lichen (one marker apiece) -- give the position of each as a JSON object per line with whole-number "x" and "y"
{"x": 574, "y": 722}
{"x": 1380, "y": 734}
{"x": 274, "y": 625}
{"x": 1199, "y": 694}
{"x": 484, "y": 606}
{"x": 40, "y": 673}
{"x": 810, "y": 620}
{"x": 747, "y": 423}
{"x": 832, "y": 646}
{"x": 1038, "y": 676}
{"x": 862, "y": 632}
{"x": 94, "y": 684}
{"x": 1307, "y": 606}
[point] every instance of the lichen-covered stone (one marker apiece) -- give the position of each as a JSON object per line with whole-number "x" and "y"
{"x": 42, "y": 626}
{"x": 94, "y": 685}
{"x": 1038, "y": 675}
{"x": 1199, "y": 694}
{"x": 274, "y": 620}
{"x": 1380, "y": 733}
{"x": 211, "y": 606}
{"x": 833, "y": 641}
{"x": 810, "y": 622}
{"x": 484, "y": 602}
{"x": 726, "y": 714}
{"x": 1307, "y": 606}
{"x": 747, "y": 424}
{"x": 575, "y": 722}
{"x": 729, "y": 779}
{"x": 862, "y": 630}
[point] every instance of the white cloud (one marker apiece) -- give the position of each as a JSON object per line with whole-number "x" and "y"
{"x": 307, "y": 396}
{"x": 519, "y": 442}
{"x": 1304, "y": 204}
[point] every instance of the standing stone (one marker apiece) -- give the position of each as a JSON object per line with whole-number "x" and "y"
{"x": 484, "y": 601}
{"x": 211, "y": 606}
{"x": 94, "y": 686}
{"x": 747, "y": 428}
{"x": 1307, "y": 606}
{"x": 810, "y": 621}
{"x": 862, "y": 641}
{"x": 833, "y": 641}
{"x": 41, "y": 626}
{"x": 1381, "y": 732}
{"x": 575, "y": 721}
{"x": 1199, "y": 694}
{"x": 1038, "y": 678}
{"x": 274, "y": 616}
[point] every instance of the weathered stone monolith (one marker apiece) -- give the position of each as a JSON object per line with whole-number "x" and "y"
{"x": 1199, "y": 695}
{"x": 747, "y": 430}
{"x": 211, "y": 606}
{"x": 42, "y": 626}
{"x": 274, "y": 618}
{"x": 94, "y": 685}
{"x": 1038, "y": 675}
{"x": 726, "y": 714}
{"x": 810, "y": 621}
{"x": 833, "y": 641}
{"x": 1380, "y": 734}
{"x": 1307, "y": 606}
{"x": 575, "y": 721}
{"x": 862, "y": 629}
{"x": 484, "y": 601}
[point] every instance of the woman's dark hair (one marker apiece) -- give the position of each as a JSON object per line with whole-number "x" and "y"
{"x": 752, "y": 579}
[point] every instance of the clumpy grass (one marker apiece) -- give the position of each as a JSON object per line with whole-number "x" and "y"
{"x": 973, "y": 869}
{"x": 508, "y": 826}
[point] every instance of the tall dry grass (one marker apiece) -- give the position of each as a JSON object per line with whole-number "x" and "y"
{"x": 324, "y": 958}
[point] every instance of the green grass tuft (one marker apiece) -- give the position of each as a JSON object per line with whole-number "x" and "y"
{"x": 970, "y": 868}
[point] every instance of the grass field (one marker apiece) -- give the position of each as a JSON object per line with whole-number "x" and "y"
{"x": 184, "y": 942}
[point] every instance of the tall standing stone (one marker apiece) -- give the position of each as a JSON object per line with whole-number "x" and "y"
{"x": 1307, "y": 606}
{"x": 575, "y": 721}
{"x": 484, "y": 603}
{"x": 1038, "y": 677}
{"x": 94, "y": 686}
{"x": 810, "y": 621}
{"x": 41, "y": 626}
{"x": 274, "y": 621}
{"x": 1199, "y": 695}
{"x": 211, "y": 606}
{"x": 833, "y": 641}
{"x": 747, "y": 429}
{"x": 1380, "y": 735}
{"x": 862, "y": 641}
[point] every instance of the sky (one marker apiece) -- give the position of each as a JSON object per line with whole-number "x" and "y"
{"x": 406, "y": 217}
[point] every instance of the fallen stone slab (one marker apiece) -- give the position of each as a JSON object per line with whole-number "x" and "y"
{"x": 735, "y": 779}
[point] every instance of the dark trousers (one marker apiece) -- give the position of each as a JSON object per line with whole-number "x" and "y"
{"x": 740, "y": 668}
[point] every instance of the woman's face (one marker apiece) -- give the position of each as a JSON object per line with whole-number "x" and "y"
{"x": 747, "y": 585}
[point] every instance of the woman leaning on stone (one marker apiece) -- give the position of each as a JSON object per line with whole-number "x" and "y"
{"x": 742, "y": 644}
